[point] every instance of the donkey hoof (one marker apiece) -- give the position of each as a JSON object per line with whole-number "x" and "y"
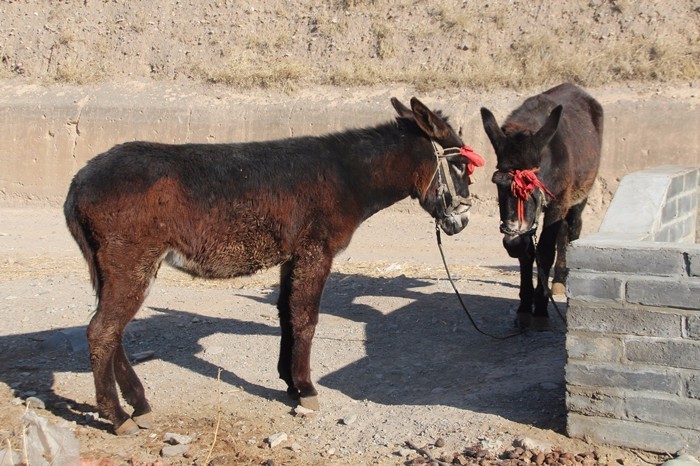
{"x": 128, "y": 427}
{"x": 144, "y": 421}
{"x": 310, "y": 402}
{"x": 558, "y": 289}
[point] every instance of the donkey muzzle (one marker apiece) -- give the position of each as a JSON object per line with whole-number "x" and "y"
{"x": 517, "y": 245}
{"x": 457, "y": 219}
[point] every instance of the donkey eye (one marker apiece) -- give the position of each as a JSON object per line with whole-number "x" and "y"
{"x": 458, "y": 167}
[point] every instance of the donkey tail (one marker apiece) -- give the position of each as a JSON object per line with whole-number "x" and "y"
{"x": 78, "y": 227}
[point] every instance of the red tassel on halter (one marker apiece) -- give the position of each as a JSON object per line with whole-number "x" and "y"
{"x": 475, "y": 160}
{"x": 524, "y": 183}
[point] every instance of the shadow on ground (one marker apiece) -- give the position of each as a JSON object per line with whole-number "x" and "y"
{"x": 424, "y": 352}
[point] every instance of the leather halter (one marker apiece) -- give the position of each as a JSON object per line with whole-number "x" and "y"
{"x": 523, "y": 184}
{"x": 445, "y": 183}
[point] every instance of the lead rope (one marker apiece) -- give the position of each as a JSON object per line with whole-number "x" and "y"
{"x": 466, "y": 311}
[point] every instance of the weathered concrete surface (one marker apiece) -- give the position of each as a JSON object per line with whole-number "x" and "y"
{"x": 632, "y": 323}
{"x": 48, "y": 133}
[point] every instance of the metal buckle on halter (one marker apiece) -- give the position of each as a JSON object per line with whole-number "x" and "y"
{"x": 507, "y": 231}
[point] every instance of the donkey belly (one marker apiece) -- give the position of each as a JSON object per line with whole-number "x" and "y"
{"x": 227, "y": 259}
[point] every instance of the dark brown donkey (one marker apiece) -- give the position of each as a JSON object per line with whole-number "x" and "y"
{"x": 227, "y": 210}
{"x": 548, "y": 154}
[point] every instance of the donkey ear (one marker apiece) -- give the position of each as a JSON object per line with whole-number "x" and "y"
{"x": 545, "y": 134}
{"x": 401, "y": 109}
{"x": 493, "y": 131}
{"x": 433, "y": 125}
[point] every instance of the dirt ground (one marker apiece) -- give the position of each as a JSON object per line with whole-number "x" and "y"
{"x": 394, "y": 358}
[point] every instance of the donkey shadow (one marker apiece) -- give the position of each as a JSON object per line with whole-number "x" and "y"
{"x": 426, "y": 352}
{"x": 29, "y": 361}
{"x": 422, "y": 353}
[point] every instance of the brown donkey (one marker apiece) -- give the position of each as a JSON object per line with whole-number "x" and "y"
{"x": 548, "y": 154}
{"x": 227, "y": 210}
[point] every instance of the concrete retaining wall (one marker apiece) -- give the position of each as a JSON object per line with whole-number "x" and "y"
{"x": 48, "y": 133}
{"x": 633, "y": 341}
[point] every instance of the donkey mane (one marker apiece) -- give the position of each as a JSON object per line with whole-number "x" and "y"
{"x": 514, "y": 128}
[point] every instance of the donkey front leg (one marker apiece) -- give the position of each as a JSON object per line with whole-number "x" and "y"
{"x": 523, "y": 318}
{"x": 306, "y": 279}
{"x": 545, "y": 259}
{"x": 284, "y": 364}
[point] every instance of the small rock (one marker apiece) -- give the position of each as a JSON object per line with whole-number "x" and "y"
{"x": 404, "y": 452}
{"x": 349, "y": 419}
{"x": 296, "y": 448}
{"x": 440, "y": 442}
{"x": 539, "y": 459}
{"x": 392, "y": 268}
{"x": 173, "y": 450}
{"x": 276, "y": 439}
{"x": 177, "y": 439}
{"x": 302, "y": 411}
{"x": 35, "y": 403}
{"x": 16, "y": 401}
{"x": 530, "y": 444}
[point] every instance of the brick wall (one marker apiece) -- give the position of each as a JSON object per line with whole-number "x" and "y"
{"x": 633, "y": 323}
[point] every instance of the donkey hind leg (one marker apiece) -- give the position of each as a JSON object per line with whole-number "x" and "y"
{"x": 523, "y": 317}
{"x": 120, "y": 298}
{"x": 284, "y": 364}
{"x": 545, "y": 259}
{"x": 308, "y": 278}
{"x": 559, "y": 280}
{"x": 570, "y": 231}
{"x": 132, "y": 389}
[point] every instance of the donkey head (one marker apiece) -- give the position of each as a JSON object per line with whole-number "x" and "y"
{"x": 521, "y": 194}
{"x": 446, "y": 197}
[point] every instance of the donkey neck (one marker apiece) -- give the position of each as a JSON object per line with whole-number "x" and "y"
{"x": 393, "y": 164}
